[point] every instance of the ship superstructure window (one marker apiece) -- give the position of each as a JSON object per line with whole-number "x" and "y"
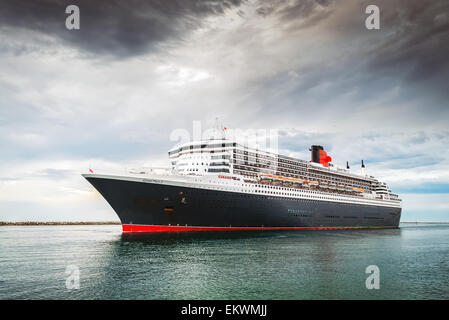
{"x": 281, "y": 172}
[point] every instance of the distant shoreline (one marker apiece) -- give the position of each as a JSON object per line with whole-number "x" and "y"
{"x": 80, "y": 223}
{"x": 66, "y": 223}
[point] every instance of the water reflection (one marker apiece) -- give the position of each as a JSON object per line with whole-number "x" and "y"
{"x": 326, "y": 264}
{"x": 194, "y": 236}
{"x": 241, "y": 264}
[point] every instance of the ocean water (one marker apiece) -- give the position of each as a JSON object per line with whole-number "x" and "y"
{"x": 413, "y": 263}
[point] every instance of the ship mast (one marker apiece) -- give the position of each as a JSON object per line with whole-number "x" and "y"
{"x": 218, "y": 130}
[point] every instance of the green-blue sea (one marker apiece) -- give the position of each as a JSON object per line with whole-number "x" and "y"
{"x": 36, "y": 262}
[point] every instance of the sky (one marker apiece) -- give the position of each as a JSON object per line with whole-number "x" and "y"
{"x": 110, "y": 95}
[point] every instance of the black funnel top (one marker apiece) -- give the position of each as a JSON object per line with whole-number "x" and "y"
{"x": 316, "y": 153}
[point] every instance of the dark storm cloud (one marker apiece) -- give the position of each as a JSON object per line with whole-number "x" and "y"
{"x": 111, "y": 27}
{"x": 413, "y": 34}
{"x": 417, "y": 39}
{"x": 407, "y": 58}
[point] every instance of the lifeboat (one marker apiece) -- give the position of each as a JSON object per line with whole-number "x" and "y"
{"x": 282, "y": 178}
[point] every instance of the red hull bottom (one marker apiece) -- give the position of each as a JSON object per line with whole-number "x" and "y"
{"x": 148, "y": 228}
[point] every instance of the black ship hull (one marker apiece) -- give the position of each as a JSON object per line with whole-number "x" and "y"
{"x": 145, "y": 206}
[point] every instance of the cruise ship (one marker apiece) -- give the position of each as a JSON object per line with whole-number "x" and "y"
{"x": 222, "y": 185}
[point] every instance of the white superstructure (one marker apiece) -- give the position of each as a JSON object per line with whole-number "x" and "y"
{"x": 226, "y": 164}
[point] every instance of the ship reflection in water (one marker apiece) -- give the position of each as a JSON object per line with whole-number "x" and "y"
{"x": 223, "y": 265}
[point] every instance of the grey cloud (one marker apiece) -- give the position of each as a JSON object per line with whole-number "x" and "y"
{"x": 415, "y": 37}
{"x": 51, "y": 174}
{"x": 301, "y": 9}
{"x": 111, "y": 27}
{"x": 412, "y": 44}
{"x": 411, "y": 48}
{"x": 401, "y": 69}
{"x": 384, "y": 150}
{"x": 55, "y": 174}
{"x": 300, "y": 13}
